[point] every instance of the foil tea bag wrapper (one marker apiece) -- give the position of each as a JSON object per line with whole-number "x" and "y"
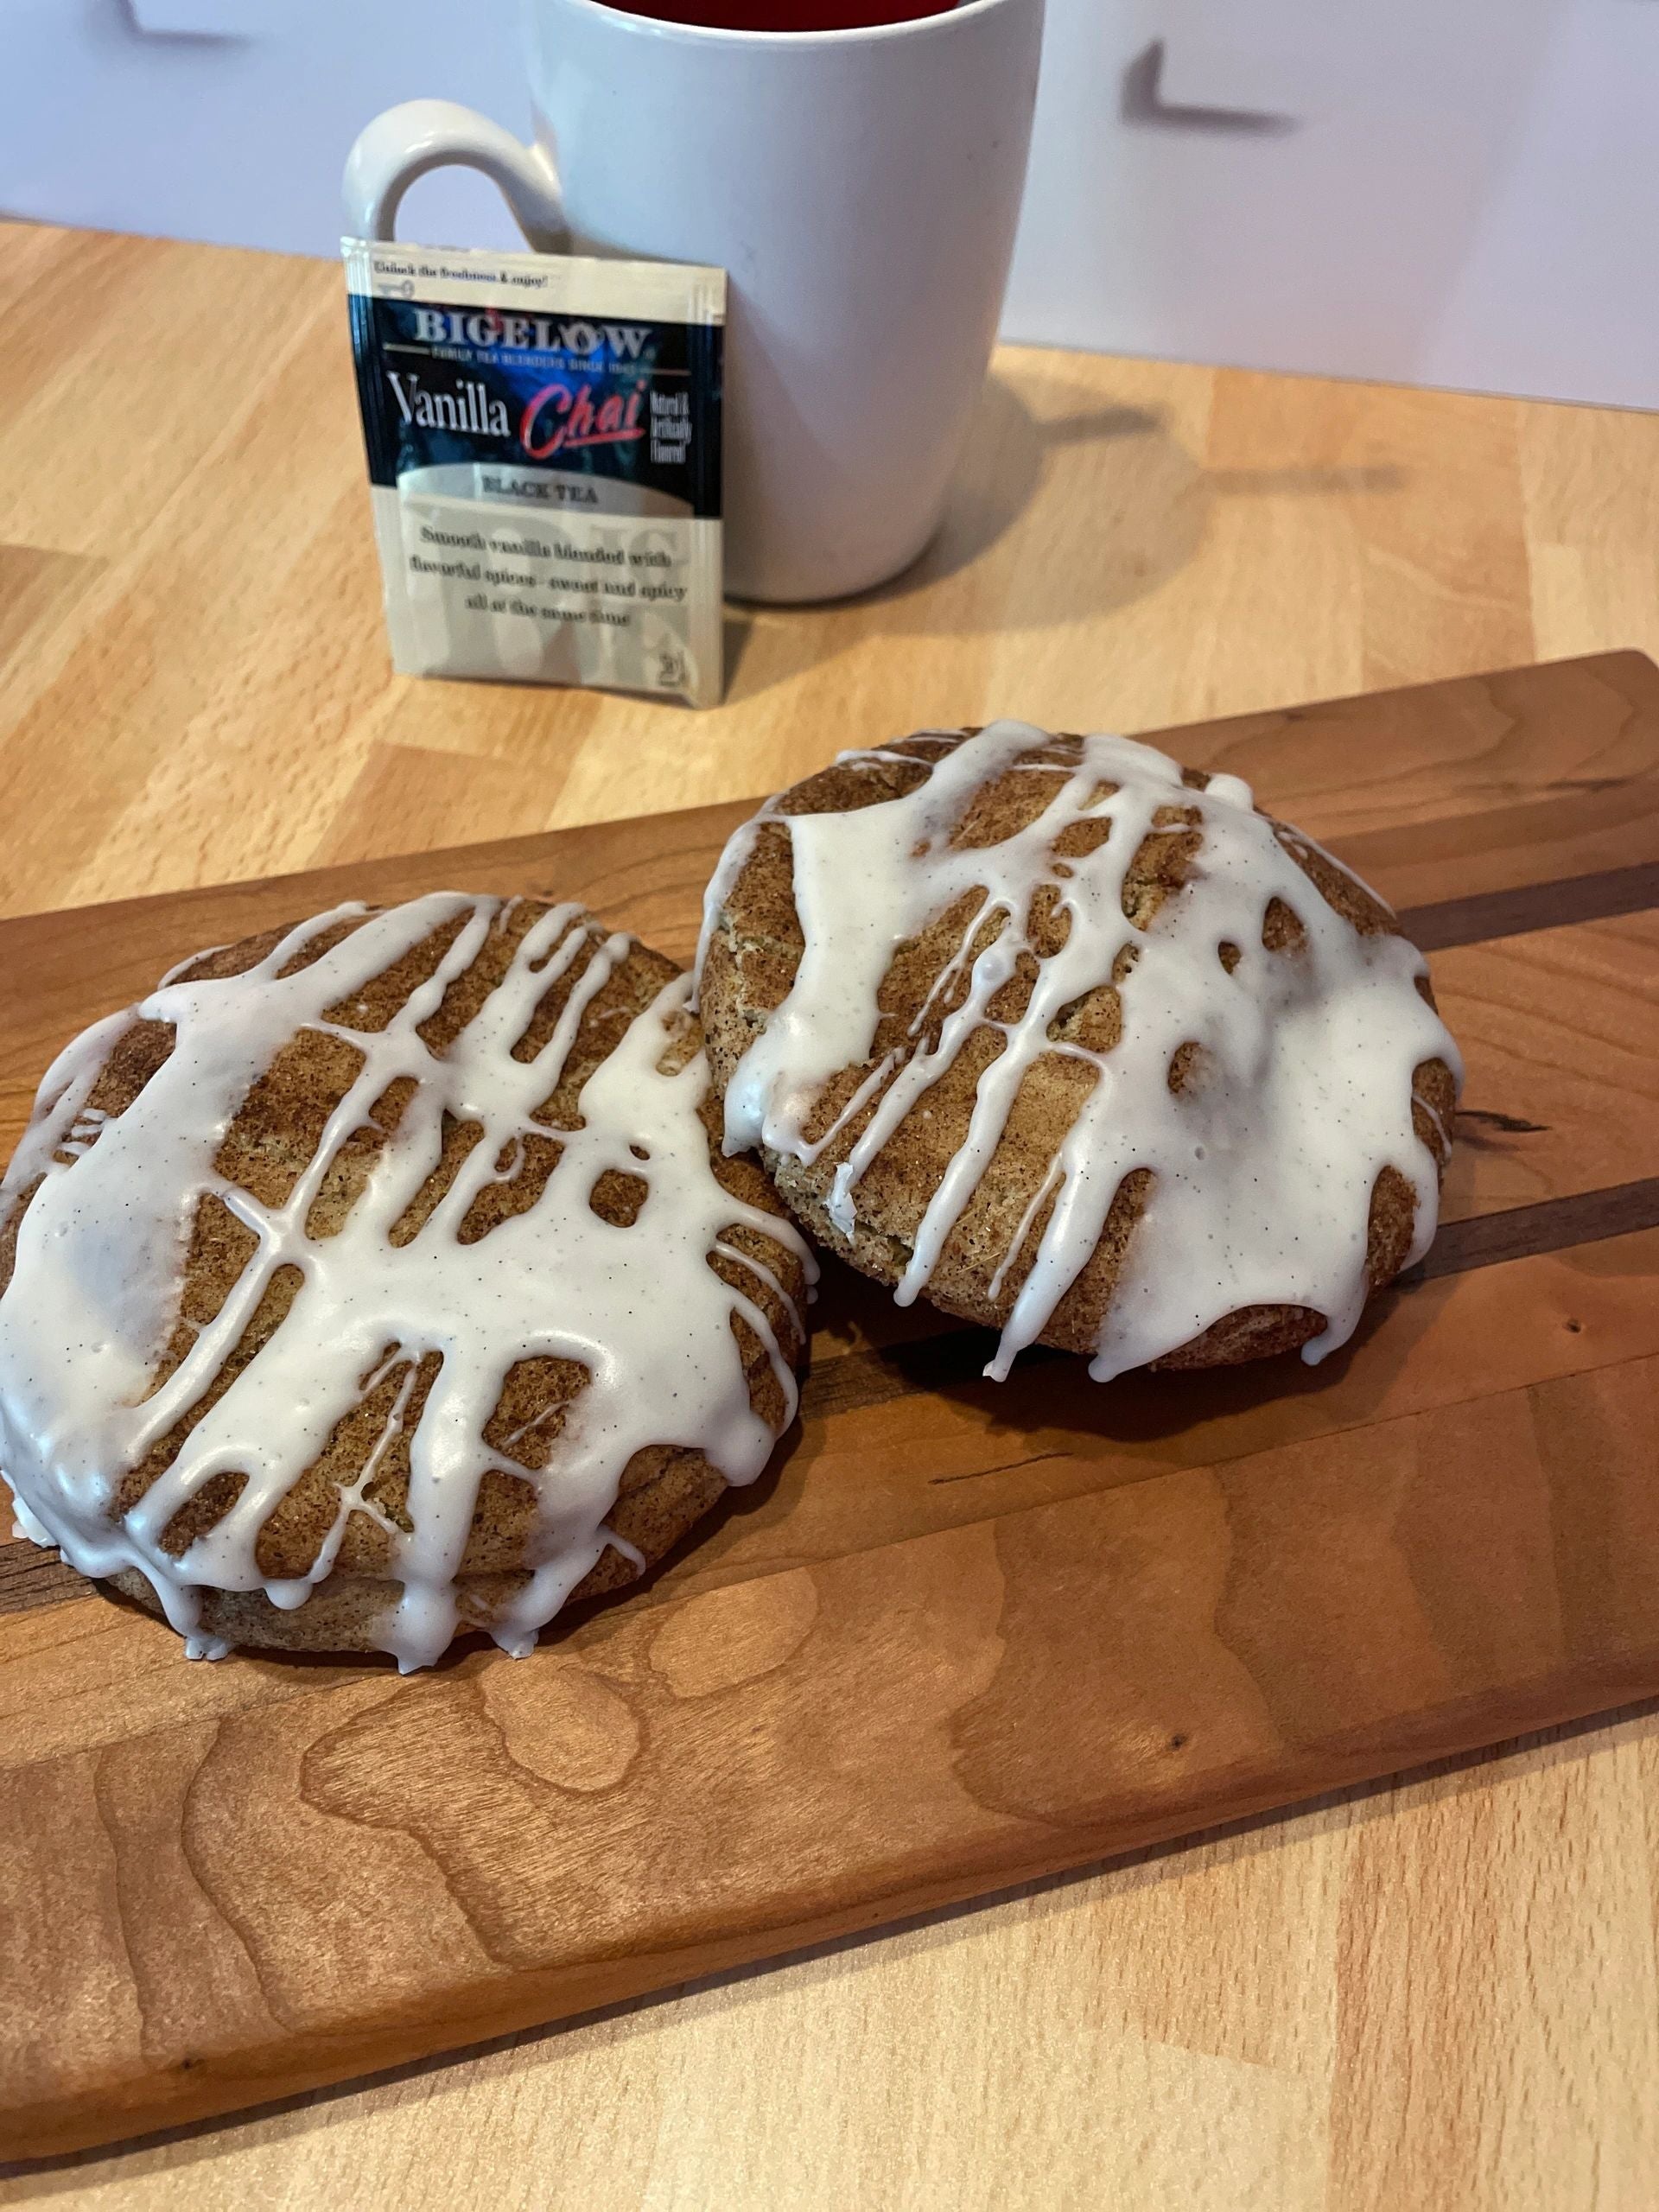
{"x": 543, "y": 446}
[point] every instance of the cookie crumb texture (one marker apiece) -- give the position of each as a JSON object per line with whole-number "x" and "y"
{"x": 1080, "y": 1044}
{"x": 382, "y": 1278}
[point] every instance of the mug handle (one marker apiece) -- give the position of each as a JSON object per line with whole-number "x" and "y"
{"x": 405, "y": 142}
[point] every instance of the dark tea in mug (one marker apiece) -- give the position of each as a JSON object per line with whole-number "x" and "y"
{"x": 785, "y": 15}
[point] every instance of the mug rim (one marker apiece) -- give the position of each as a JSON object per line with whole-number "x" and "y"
{"x": 942, "y": 19}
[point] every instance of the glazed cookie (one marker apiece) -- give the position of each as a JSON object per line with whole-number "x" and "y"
{"x": 381, "y": 1278}
{"x": 1079, "y": 1043}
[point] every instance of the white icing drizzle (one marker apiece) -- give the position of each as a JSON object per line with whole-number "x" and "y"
{"x": 1263, "y": 1167}
{"x": 95, "y": 1295}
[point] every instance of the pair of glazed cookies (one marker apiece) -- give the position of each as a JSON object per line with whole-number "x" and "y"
{"x": 415, "y": 1271}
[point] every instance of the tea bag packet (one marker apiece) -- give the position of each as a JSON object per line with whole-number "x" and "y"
{"x": 543, "y": 446}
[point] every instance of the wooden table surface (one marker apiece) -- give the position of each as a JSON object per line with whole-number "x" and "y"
{"x": 1442, "y": 1993}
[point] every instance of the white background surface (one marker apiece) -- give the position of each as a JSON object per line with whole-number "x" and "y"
{"x": 1442, "y": 190}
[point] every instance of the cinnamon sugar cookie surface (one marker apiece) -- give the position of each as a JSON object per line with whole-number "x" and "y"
{"x": 1080, "y": 1044}
{"x": 381, "y": 1277}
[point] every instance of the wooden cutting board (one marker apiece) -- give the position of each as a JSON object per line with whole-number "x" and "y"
{"x": 964, "y": 1634}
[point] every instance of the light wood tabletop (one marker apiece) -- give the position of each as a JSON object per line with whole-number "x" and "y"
{"x": 1444, "y": 1993}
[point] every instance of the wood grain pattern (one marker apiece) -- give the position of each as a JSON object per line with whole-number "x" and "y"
{"x": 196, "y": 681}
{"x": 1442, "y": 1992}
{"x": 964, "y": 1635}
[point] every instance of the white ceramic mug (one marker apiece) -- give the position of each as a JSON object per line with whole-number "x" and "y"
{"x": 861, "y": 188}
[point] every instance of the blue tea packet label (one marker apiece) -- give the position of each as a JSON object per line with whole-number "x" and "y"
{"x": 544, "y": 447}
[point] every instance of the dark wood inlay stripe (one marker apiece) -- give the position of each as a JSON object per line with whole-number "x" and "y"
{"x": 1551, "y": 1225}
{"x": 957, "y": 1356}
{"x": 858, "y": 1379}
{"x": 30, "y": 1578}
{"x": 1552, "y": 905}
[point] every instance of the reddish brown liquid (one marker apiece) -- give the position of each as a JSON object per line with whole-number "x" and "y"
{"x": 784, "y": 15}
